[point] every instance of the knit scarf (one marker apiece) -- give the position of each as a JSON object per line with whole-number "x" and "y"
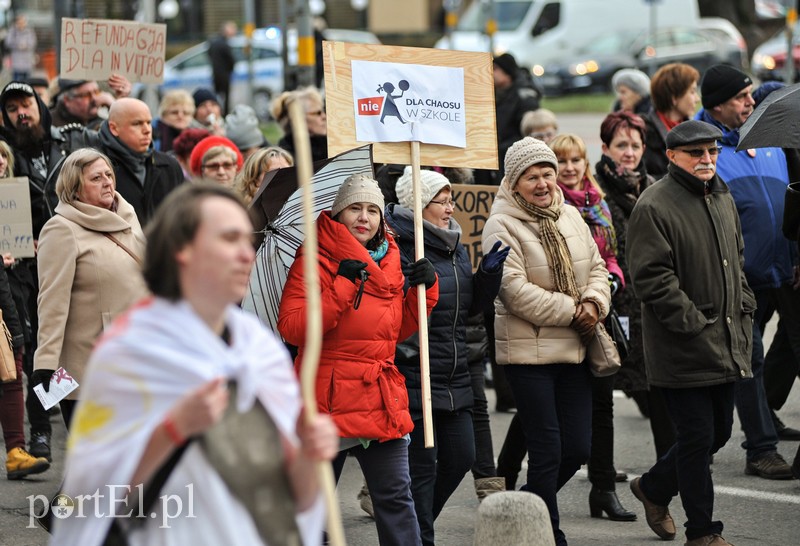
{"x": 378, "y": 254}
{"x": 554, "y": 244}
{"x": 595, "y": 213}
{"x": 623, "y": 185}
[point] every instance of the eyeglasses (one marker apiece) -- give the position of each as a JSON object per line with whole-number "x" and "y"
{"x": 86, "y": 94}
{"x": 217, "y": 166}
{"x": 697, "y": 153}
{"x": 543, "y": 135}
{"x": 449, "y": 203}
{"x": 315, "y": 113}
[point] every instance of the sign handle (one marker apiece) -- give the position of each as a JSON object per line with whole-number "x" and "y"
{"x": 422, "y": 308}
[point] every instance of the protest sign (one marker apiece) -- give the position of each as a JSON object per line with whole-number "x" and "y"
{"x": 16, "y": 230}
{"x": 93, "y": 49}
{"x": 455, "y": 74}
{"x": 473, "y": 203}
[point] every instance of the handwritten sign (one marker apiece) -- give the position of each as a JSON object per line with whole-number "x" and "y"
{"x": 16, "y": 230}
{"x": 93, "y": 49}
{"x": 473, "y": 203}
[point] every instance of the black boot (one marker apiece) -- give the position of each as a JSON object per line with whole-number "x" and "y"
{"x": 606, "y": 501}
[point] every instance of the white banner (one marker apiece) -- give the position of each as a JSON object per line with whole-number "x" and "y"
{"x": 409, "y": 102}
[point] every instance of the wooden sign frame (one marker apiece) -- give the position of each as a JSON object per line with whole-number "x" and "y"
{"x": 481, "y": 150}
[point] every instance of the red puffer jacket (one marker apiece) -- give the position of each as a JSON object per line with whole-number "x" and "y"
{"x": 357, "y": 382}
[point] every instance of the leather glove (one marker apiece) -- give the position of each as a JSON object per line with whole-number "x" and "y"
{"x": 42, "y": 377}
{"x": 614, "y": 282}
{"x": 493, "y": 261}
{"x": 586, "y": 316}
{"x": 351, "y": 269}
{"x": 420, "y": 272}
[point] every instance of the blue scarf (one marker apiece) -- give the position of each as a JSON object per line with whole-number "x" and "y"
{"x": 378, "y": 254}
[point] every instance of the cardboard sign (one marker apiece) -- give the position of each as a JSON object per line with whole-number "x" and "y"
{"x": 473, "y": 203}
{"x": 16, "y": 229}
{"x": 93, "y": 49}
{"x": 480, "y": 145}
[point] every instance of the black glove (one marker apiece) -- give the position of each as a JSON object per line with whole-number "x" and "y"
{"x": 351, "y": 269}
{"x": 493, "y": 261}
{"x": 42, "y": 377}
{"x": 614, "y": 282}
{"x": 420, "y": 272}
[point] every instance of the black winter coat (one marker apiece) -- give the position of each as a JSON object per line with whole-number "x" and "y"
{"x": 461, "y": 293}
{"x": 10, "y": 315}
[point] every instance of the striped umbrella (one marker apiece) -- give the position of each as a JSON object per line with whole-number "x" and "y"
{"x": 277, "y": 214}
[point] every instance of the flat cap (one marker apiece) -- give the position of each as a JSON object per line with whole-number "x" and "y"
{"x": 690, "y": 132}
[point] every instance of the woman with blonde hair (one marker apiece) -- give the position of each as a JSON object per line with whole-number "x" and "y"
{"x": 175, "y": 113}
{"x": 316, "y": 120}
{"x": 260, "y": 162}
{"x": 6, "y": 160}
{"x": 89, "y": 258}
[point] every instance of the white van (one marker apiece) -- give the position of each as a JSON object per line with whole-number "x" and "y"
{"x": 540, "y": 31}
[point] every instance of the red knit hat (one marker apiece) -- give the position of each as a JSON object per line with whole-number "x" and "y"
{"x": 196, "y": 159}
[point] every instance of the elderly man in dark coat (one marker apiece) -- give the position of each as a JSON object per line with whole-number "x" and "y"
{"x": 686, "y": 256}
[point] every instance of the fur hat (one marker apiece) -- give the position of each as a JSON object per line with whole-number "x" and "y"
{"x": 525, "y": 153}
{"x": 241, "y": 126}
{"x": 196, "y": 159}
{"x": 431, "y": 183}
{"x": 357, "y": 188}
{"x": 720, "y": 83}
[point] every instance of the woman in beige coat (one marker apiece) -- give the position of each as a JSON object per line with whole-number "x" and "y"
{"x": 89, "y": 257}
{"x": 554, "y": 290}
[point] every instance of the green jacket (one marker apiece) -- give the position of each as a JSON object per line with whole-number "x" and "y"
{"x": 685, "y": 253}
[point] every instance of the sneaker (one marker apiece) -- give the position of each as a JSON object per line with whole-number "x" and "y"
{"x": 771, "y": 467}
{"x": 366, "y": 501}
{"x": 20, "y": 463}
{"x": 40, "y": 445}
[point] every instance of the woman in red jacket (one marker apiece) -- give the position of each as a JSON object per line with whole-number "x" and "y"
{"x": 364, "y": 315}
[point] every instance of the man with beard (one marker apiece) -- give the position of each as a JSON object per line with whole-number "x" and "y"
{"x": 757, "y": 179}
{"x": 79, "y": 101}
{"x": 685, "y": 257}
{"x": 144, "y": 176}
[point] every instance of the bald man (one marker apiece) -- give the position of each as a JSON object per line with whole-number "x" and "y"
{"x": 144, "y": 176}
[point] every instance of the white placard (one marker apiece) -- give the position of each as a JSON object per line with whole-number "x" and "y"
{"x": 61, "y": 384}
{"x": 409, "y": 102}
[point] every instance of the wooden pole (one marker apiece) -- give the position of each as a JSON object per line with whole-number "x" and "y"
{"x": 313, "y": 345}
{"x": 419, "y": 253}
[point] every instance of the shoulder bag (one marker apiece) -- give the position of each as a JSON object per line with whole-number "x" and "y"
{"x": 602, "y": 353}
{"x": 8, "y": 367}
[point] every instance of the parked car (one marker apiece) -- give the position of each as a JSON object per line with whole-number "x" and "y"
{"x": 600, "y": 59}
{"x": 769, "y": 59}
{"x": 191, "y": 68}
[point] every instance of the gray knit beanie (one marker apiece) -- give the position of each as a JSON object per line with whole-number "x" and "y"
{"x": 431, "y": 183}
{"x": 635, "y": 80}
{"x": 525, "y": 153}
{"x": 241, "y": 126}
{"x": 357, "y": 188}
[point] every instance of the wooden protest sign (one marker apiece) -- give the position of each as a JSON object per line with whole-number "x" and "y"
{"x": 473, "y": 203}
{"x": 16, "y": 230}
{"x": 93, "y": 49}
{"x": 481, "y": 135}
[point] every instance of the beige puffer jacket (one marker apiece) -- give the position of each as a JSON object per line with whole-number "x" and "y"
{"x": 531, "y": 319}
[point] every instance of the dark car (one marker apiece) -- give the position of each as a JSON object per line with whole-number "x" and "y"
{"x": 769, "y": 59}
{"x": 603, "y": 57}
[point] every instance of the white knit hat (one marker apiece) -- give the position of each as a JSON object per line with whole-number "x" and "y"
{"x": 357, "y": 188}
{"x": 431, "y": 183}
{"x": 525, "y": 153}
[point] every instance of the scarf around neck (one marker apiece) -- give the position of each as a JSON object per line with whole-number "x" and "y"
{"x": 594, "y": 211}
{"x": 134, "y": 161}
{"x": 554, "y": 244}
{"x": 623, "y": 185}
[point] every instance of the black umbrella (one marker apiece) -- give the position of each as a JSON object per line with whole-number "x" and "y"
{"x": 775, "y": 122}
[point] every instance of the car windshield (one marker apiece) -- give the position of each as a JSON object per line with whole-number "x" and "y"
{"x": 508, "y": 14}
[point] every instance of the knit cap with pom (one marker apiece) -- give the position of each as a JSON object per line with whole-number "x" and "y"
{"x": 431, "y": 183}
{"x": 357, "y": 188}
{"x": 525, "y": 153}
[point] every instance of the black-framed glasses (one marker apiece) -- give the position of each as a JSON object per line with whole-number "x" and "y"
{"x": 697, "y": 153}
{"x": 445, "y": 204}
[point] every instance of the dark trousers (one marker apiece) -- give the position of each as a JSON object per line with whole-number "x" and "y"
{"x": 751, "y": 399}
{"x": 222, "y": 87}
{"x": 509, "y": 461}
{"x": 703, "y": 418}
{"x": 437, "y": 472}
{"x": 68, "y": 411}
{"x": 782, "y": 362}
{"x": 601, "y": 460}
{"x": 385, "y": 468}
{"x": 660, "y": 423}
{"x": 554, "y": 402}
{"x": 504, "y": 397}
{"x": 484, "y": 452}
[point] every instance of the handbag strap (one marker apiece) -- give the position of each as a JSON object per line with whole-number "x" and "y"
{"x": 123, "y": 247}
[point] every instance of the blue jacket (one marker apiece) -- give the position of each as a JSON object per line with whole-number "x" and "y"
{"x": 758, "y": 186}
{"x": 461, "y": 293}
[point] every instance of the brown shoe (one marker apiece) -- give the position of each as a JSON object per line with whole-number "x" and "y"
{"x": 658, "y": 517}
{"x": 771, "y": 466}
{"x": 708, "y": 540}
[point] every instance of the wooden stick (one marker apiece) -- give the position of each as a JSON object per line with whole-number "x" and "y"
{"x": 419, "y": 253}
{"x": 313, "y": 345}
